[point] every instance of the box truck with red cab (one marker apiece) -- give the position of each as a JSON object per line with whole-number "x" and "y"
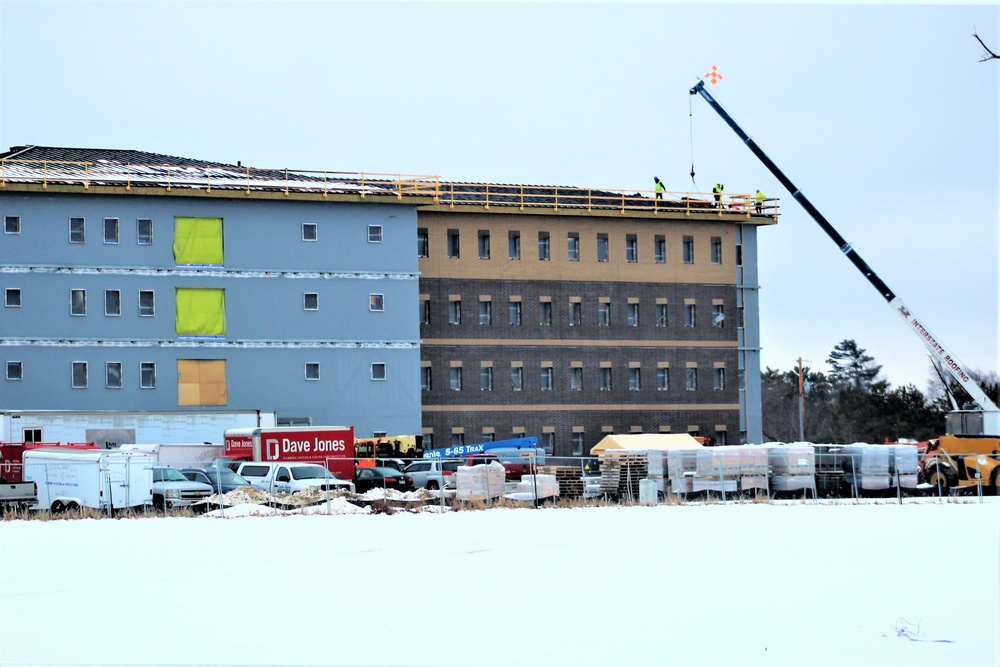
{"x": 331, "y": 446}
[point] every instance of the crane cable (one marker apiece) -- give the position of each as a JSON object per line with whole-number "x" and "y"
{"x": 691, "y": 133}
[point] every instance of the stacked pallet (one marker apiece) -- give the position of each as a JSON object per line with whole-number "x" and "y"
{"x": 621, "y": 471}
{"x": 753, "y": 467}
{"x": 793, "y": 467}
{"x": 570, "y": 479}
{"x": 717, "y": 469}
{"x": 682, "y": 465}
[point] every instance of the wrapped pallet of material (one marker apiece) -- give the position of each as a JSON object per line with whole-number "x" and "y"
{"x": 717, "y": 469}
{"x": 868, "y": 466}
{"x": 682, "y": 465}
{"x": 753, "y": 467}
{"x": 903, "y": 465}
{"x": 793, "y": 466}
{"x": 546, "y": 484}
{"x": 657, "y": 468}
{"x": 830, "y": 469}
{"x": 480, "y": 482}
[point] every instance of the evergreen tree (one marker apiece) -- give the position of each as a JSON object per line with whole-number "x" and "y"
{"x": 852, "y": 367}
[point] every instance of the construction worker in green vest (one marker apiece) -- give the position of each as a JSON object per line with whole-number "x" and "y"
{"x": 758, "y": 201}
{"x": 717, "y": 191}
{"x": 659, "y": 187}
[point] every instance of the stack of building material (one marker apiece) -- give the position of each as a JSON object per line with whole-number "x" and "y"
{"x": 569, "y": 478}
{"x": 480, "y": 482}
{"x": 753, "y": 467}
{"x": 903, "y": 465}
{"x": 621, "y": 470}
{"x": 793, "y": 466}
{"x": 867, "y": 466}
{"x": 830, "y": 479}
{"x": 682, "y": 465}
{"x": 535, "y": 486}
{"x": 658, "y": 469}
{"x": 717, "y": 469}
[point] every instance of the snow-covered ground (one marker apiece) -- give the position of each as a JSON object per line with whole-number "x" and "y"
{"x": 737, "y": 584}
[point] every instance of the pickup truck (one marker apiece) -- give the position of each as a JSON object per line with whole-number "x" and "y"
{"x": 276, "y": 477}
{"x": 172, "y": 489}
{"x": 17, "y": 495}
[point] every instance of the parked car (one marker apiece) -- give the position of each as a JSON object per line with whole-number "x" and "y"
{"x": 378, "y": 478}
{"x": 173, "y": 489}
{"x": 290, "y": 477}
{"x": 222, "y": 480}
{"x": 432, "y": 473}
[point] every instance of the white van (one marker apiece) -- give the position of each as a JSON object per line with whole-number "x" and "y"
{"x": 103, "y": 479}
{"x": 289, "y": 477}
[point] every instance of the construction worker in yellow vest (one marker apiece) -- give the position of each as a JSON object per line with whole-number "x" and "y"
{"x": 659, "y": 187}
{"x": 717, "y": 191}
{"x": 758, "y": 201}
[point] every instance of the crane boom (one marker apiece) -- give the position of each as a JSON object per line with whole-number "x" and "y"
{"x": 991, "y": 414}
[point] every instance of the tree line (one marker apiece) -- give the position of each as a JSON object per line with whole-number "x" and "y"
{"x": 854, "y": 403}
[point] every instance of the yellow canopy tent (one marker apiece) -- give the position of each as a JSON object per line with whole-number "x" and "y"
{"x": 644, "y": 441}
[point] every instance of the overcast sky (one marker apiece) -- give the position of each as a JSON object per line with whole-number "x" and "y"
{"x": 882, "y": 115}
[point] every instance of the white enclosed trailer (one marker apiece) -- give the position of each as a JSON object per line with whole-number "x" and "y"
{"x": 105, "y": 480}
{"x": 180, "y": 455}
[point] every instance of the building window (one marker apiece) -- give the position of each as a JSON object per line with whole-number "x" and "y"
{"x": 661, "y": 314}
{"x": 546, "y": 379}
{"x": 201, "y": 382}
{"x": 602, "y": 247}
{"x": 312, "y": 370}
{"x": 515, "y": 313}
{"x": 662, "y": 379}
{"x": 739, "y": 255}
{"x": 425, "y": 311}
{"x": 376, "y": 303}
{"x": 485, "y": 312}
{"x": 631, "y": 248}
{"x": 429, "y": 440}
{"x": 12, "y": 224}
{"x": 573, "y": 249}
{"x": 113, "y": 375}
{"x": 111, "y": 230}
{"x": 719, "y": 379}
{"x": 716, "y": 250}
{"x": 514, "y": 245}
{"x": 577, "y": 444}
{"x": 544, "y": 313}
{"x": 516, "y": 378}
{"x": 633, "y": 314}
{"x": 689, "y": 314}
{"x": 112, "y": 303}
{"x": 147, "y": 375}
{"x": 378, "y": 370}
{"x": 144, "y": 231}
{"x": 374, "y": 233}
{"x": 718, "y": 316}
{"x": 423, "y": 243}
{"x": 309, "y": 231}
{"x": 689, "y": 250}
{"x": 200, "y": 311}
{"x": 455, "y": 378}
{"x": 78, "y": 302}
{"x": 548, "y": 442}
{"x": 576, "y": 379}
{"x": 544, "y": 250}
{"x": 457, "y": 439}
{"x": 310, "y": 301}
{"x": 605, "y": 379}
{"x": 634, "y": 379}
{"x": 484, "y": 244}
{"x": 455, "y": 312}
{"x": 76, "y": 230}
{"x": 79, "y": 375}
{"x": 146, "y": 303}
{"x": 14, "y": 370}
{"x": 12, "y": 297}
{"x": 660, "y": 250}
{"x": 691, "y": 379}
{"x": 425, "y": 378}
{"x": 604, "y": 314}
{"x": 488, "y": 437}
{"x": 198, "y": 242}
{"x": 486, "y": 378}
{"x": 575, "y": 313}
{"x": 453, "y": 243}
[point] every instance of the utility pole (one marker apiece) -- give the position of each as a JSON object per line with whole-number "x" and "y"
{"x": 802, "y": 404}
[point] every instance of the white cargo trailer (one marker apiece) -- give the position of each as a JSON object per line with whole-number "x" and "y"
{"x": 109, "y": 430}
{"x": 104, "y": 480}
{"x": 180, "y": 455}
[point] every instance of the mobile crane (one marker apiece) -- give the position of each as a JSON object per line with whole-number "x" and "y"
{"x": 973, "y": 434}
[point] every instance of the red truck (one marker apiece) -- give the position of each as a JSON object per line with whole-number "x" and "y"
{"x": 331, "y": 446}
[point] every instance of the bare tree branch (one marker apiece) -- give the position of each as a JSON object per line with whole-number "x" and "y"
{"x": 989, "y": 55}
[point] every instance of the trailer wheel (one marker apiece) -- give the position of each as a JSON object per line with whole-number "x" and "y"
{"x": 57, "y": 507}
{"x": 159, "y": 504}
{"x": 432, "y": 486}
{"x": 72, "y": 507}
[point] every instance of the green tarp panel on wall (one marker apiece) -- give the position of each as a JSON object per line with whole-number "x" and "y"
{"x": 201, "y": 312}
{"x": 198, "y": 241}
